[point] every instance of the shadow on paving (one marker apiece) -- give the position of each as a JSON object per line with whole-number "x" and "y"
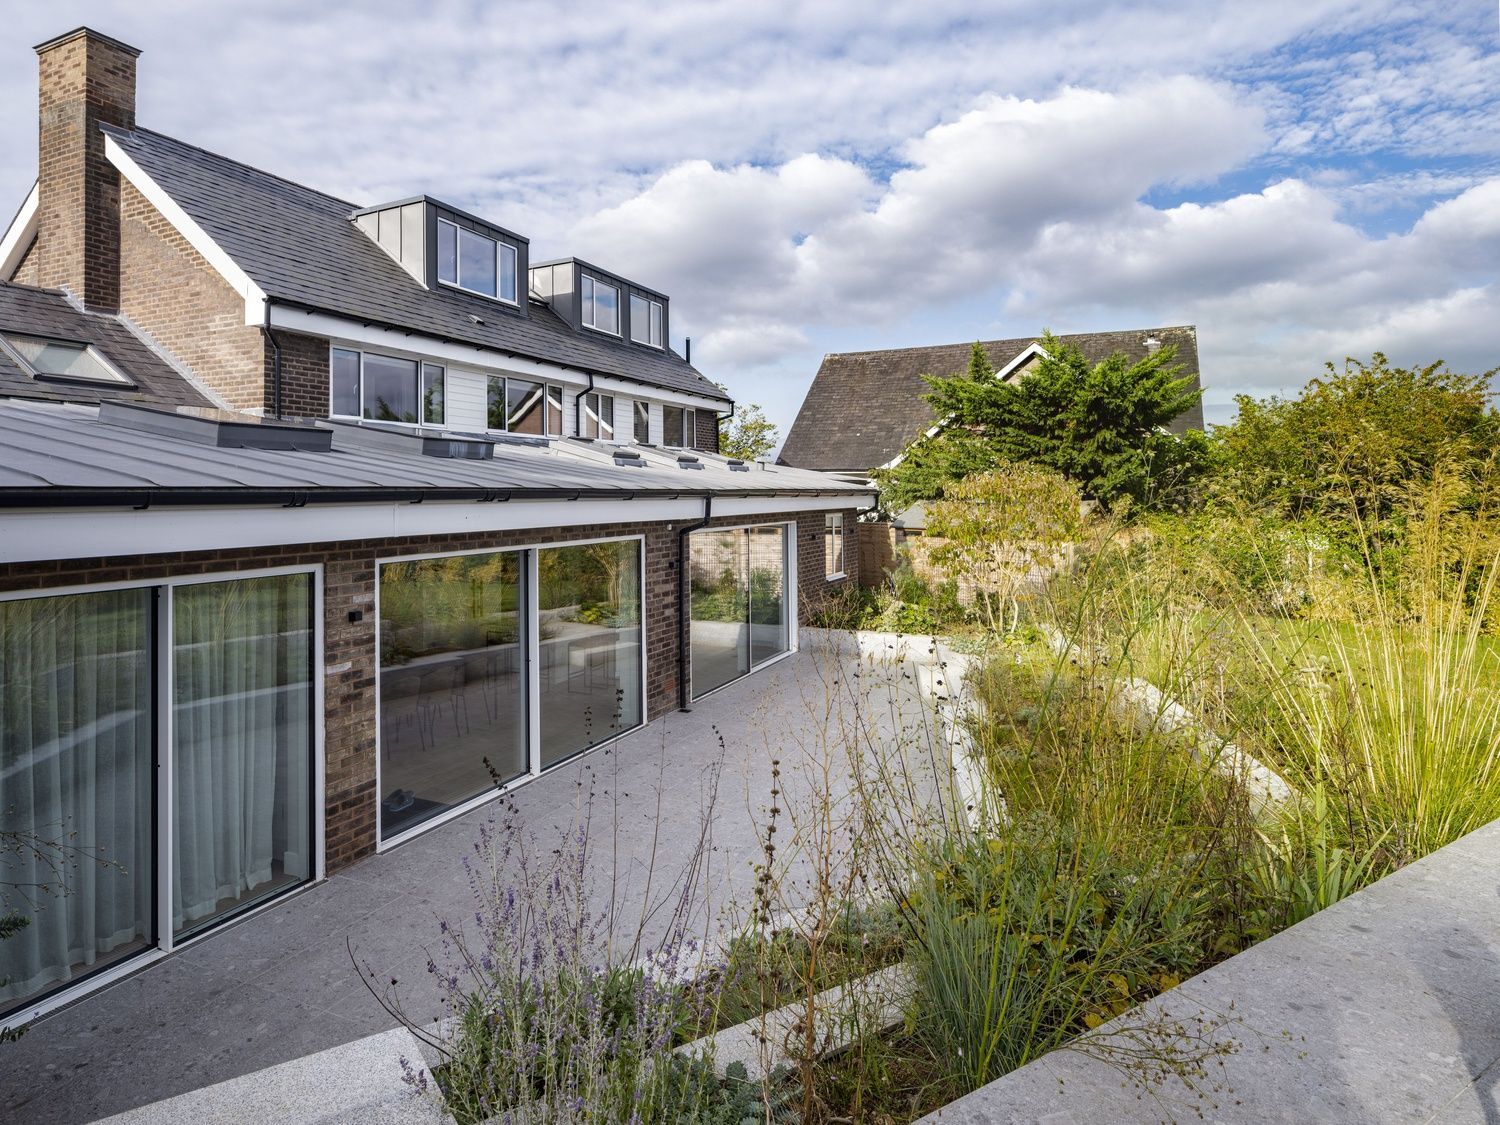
{"x": 280, "y": 984}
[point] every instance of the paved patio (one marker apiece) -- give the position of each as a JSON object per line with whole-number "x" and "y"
{"x": 280, "y": 984}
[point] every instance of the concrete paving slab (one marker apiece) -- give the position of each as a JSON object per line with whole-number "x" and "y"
{"x": 357, "y": 1083}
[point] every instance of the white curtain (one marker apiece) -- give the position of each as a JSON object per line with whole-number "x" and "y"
{"x": 242, "y": 741}
{"x": 76, "y": 784}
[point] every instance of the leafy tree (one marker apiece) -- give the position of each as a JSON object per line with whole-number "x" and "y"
{"x": 1100, "y": 426}
{"x": 993, "y": 530}
{"x": 750, "y": 435}
{"x": 1356, "y": 441}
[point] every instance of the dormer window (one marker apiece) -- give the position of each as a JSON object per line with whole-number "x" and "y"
{"x": 645, "y": 321}
{"x": 62, "y": 359}
{"x": 679, "y": 427}
{"x": 601, "y": 306}
{"x": 471, "y": 261}
{"x": 383, "y": 388}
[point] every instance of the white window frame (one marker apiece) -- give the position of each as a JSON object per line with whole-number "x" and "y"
{"x": 114, "y": 376}
{"x": 640, "y": 409}
{"x": 834, "y": 546}
{"x": 593, "y": 417}
{"x": 161, "y": 653}
{"x": 791, "y": 598}
{"x": 653, "y": 320}
{"x": 501, "y": 249}
{"x": 531, "y": 597}
{"x": 420, "y": 363}
{"x": 689, "y": 426}
{"x": 587, "y": 306}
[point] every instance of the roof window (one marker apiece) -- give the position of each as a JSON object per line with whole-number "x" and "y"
{"x": 62, "y": 359}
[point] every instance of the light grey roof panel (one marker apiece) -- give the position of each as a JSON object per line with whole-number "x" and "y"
{"x": 301, "y": 246}
{"x": 46, "y": 446}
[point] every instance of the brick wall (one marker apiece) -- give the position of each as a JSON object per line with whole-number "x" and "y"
{"x": 706, "y": 422}
{"x": 349, "y": 648}
{"x": 304, "y": 376}
{"x": 26, "y": 268}
{"x": 181, "y": 302}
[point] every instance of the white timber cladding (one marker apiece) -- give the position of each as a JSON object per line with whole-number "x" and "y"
{"x": 31, "y": 536}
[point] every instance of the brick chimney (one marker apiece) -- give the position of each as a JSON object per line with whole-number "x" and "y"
{"x": 86, "y": 79}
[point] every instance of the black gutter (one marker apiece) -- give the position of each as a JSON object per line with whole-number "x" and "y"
{"x": 276, "y": 361}
{"x": 142, "y": 498}
{"x": 442, "y": 338}
{"x": 684, "y": 601}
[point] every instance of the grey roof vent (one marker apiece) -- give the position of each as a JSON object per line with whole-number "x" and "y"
{"x": 629, "y": 457}
{"x": 357, "y": 436}
{"x": 688, "y": 461}
{"x": 738, "y": 466}
{"x": 475, "y": 318}
{"x": 222, "y": 428}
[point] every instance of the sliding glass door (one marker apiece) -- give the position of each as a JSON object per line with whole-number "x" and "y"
{"x": 77, "y": 786}
{"x": 452, "y": 683}
{"x": 87, "y": 754}
{"x": 738, "y": 582}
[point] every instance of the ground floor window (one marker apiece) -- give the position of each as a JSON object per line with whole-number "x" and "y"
{"x": 498, "y": 665}
{"x": 128, "y": 825}
{"x": 738, "y": 581}
{"x": 833, "y": 545}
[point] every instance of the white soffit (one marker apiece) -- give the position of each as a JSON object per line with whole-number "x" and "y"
{"x": 19, "y": 236}
{"x": 45, "y": 534}
{"x": 196, "y": 236}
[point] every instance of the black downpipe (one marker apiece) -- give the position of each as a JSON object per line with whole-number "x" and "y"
{"x": 275, "y": 360}
{"x": 578, "y": 406}
{"x": 684, "y": 602}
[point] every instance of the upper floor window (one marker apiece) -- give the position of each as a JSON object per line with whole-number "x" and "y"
{"x": 679, "y": 427}
{"x": 62, "y": 359}
{"x": 472, "y": 261}
{"x": 598, "y": 419}
{"x": 601, "y": 306}
{"x": 384, "y": 388}
{"x": 519, "y": 406}
{"x": 642, "y": 422}
{"x": 645, "y": 321}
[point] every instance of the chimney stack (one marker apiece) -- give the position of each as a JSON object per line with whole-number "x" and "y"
{"x": 85, "y": 80}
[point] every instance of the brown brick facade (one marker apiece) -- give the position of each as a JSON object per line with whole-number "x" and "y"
{"x": 171, "y": 292}
{"x": 26, "y": 269}
{"x": 304, "y": 376}
{"x": 706, "y": 422}
{"x": 84, "y": 80}
{"x": 349, "y": 648}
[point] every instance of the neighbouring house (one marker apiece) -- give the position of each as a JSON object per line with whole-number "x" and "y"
{"x": 864, "y": 408}
{"x": 309, "y": 509}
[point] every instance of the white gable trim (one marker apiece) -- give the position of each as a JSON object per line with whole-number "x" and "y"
{"x": 19, "y": 236}
{"x": 1003, "y": 375}
{"x": 196, "y": 236}
{"x": 1026, "y": 353}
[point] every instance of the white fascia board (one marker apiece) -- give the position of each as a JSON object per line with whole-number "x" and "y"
{"x": 238, "y": 280}
{"x": 356, "y": 334}
{"x": 770, "y": 505}
{"x": 19, "y": 235}
{"x": 34, "y": 536}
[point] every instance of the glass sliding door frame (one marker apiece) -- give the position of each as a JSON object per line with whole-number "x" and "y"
{"x": 788, "y": 599}
{"x": 162, "y": 741}
{"x": 530, "y": 633}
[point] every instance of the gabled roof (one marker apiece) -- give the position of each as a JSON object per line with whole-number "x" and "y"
{"x": 50, "y": 314}
{"x": 300, "y": 247}
{"x": 863, "y": 408}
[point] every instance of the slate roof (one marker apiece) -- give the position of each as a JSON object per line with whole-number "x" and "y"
{"x": 863, "y": 408}
{"x": 49, "y": 313}
{"x": 53, "y": 448}
{"x": 301, "y": 247}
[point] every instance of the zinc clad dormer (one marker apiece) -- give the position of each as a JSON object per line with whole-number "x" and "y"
{"x": 445, "y": 248}
{"x": 602, "y": 303}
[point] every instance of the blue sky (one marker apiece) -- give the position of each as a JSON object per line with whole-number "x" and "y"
{"x": 1301, "y": 180}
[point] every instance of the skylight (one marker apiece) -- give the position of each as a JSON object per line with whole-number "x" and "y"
{"x": 62, "y": 359}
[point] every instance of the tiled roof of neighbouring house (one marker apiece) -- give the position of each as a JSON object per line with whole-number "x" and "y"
{"x": 50, "y": 449}
{"x": 48, "y": 313}
{"x": 863, "y": 408}
{"x": 301, "y": 247}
